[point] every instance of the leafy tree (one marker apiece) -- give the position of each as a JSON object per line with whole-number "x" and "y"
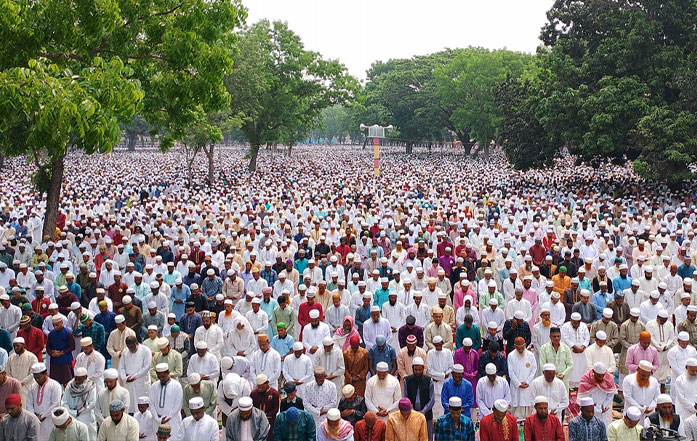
{"x": 279, "y": 89}
{"x": 466, "y": 86}
{"x": 133, "y": 130}
{"x": 71, "y": 71}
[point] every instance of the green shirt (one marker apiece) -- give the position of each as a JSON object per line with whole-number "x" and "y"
{"x": 285, "y": 315}
{"x": 561, "y": 359}
{"x": 207, "y": 392}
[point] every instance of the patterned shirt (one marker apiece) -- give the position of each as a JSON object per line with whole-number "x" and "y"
{"x": 445, "y": 429}
{"x": 270, "y": 276}
{"x": 581, "y": 430}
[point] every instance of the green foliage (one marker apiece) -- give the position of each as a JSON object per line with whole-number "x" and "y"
{"x": 72, "y": 70}
{"x": 279, "y": 89}
{"x": 467, "y": 85}
{"x": 617, "y": 82}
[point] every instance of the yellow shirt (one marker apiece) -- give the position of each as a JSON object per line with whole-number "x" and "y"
{"x": 617, "y": 431}
{"x": 411, "y": 429}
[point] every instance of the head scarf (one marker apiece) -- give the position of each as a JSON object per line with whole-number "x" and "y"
{"x": 341, "y": 337}
{"x": 341, "y": 432}
{"x": 588, "y": 384}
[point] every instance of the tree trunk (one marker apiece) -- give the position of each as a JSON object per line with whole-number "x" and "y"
{"x": 253, "y": 153}
{"x": 290, "y": 149}
{"x": 132, "y": 141}
{"x": 211, "y": 169}
{"x": 53, "y": 197}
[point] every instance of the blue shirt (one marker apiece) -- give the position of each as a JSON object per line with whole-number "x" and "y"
{"x": 445, "y": 429}
{"x": 77, "y": 290}
{"x": 282, "y": 345}
{"x": 620, "y": 284}
{"x": 463, "y": 390}
{"x": 582, "y": 430}
{"x": 600, "y": 301}
{"x": 685, "y": 271}
{"x": 268, "y": 308}
{"x": 106, "y": 320}
{"x": 179, "y": 309}
{"x": 381, "y": 296}
{"x": 189, "y": 323}
{"x": 386, "y": 354}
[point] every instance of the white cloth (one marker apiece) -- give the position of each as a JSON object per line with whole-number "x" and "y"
{"x": 662, "y": 338}
{"x": 312, "y": 337}
{"x": 383, "y": 394}
{"x": 421, "y": 312}
{"x": 166, "y": 402}
{"x": 642, "y": 397}
{"x": 87, "y": 414}
{"x": 677, "y": 356}
{"x": 147, "y": 425}
{"x": 649, "y": 311}
{"x": 233, "y": 387}
{"x": 205, "y": 429}
{"x": 94, "y": 363}
{"x": 595, "y": 353}
{"x": 42, "y": 400}
{"x": 371, "y": 330}
{"x": 555, "y": 391}
{"x": 106, "y": 396}
{"x": 318, "y": 398}
{"x": 240, "y": 340}
{"x": 602, "y": 400}
{"x": 514, "y": 305}
{"x": 439, "y": 366}
{"x": 685, "y": 392}
{"x": 136, "y": 365}
{"x": 488, "y": 393}
{"x": 522, "y": 368}
{"x": 333, "y": 364}
{"x": 298, "y": 368}
{"x": 206, "y": 366}
{"x": 213, "y": 337}
{"x": 579, "y": 336}
{"x": 9, "y": 319}
{"x": 259, "y": 321}
{"x": 268, "y": 363}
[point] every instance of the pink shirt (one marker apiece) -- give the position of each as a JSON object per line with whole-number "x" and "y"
{"x": 636, "y": 353}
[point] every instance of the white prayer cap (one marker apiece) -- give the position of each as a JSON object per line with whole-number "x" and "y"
{"x": 601, "y": 335}
{"x": 662, "y": 285}
{"x": 624, "y": 266}
{"x": 519, "y": 315}
{"x": 18, "y": 340}
{"x": 80, "y": 372}
{"x": 684, "y": 336}
{"x": 576, "y": 316}
{"x": 646, "y": 365}
{"x": 245, "y": 403}
{"x": 152, "y": 328}
{"x": 492, "y": 324}
{"x": 586, "y": 401}
{"x": 691, "y": 362}
{"x": 333, "y": 415}
{"x": 541, "y": 399}
{"x": 75, "y": 306}
{"x": 467, "y": 342}
{"x": 634, "y": 312}
{"x": 298, "y": 346}
{"x": 663, "y": 313}
{"x": 549, "y": 367}
{"x": 348, "y": 391}
{"x": 154, "y": 284}
{"x": 111, "y": 374}
{"x": 501, "y": 405}
{"x": 493, "y": 302}
{"x": 327, "y": 341}
{"x": 437, "y": 339}
{"x": 635, "y": 282}
{"x": 685, "y": 295}
{"x": 201, "y": 345}
{"x": 654, "y": 295}
{"x": 37, "y": 368}
{"x": 687, "y": 281}
{"x": 261, "y": 379}
{"x": 607, "y": 313}
{"x": 382, "y": 367}
{"x": 126, "y": 300}
{"x": 59, "y": 416}
{"x": 664, "y": 399}
{"x": 491, "y": 284}
{"x": 550, "y": 284}
{"x": 418, "y": 361}
{"x": 633, "y": 413}
{"x": 162, "y": 342}
{"x": 455, "y": 402}
{"x": 314, "y": 314}
{"x": 458, "y": 368}
{"x": 691, "y": 308}
{"x": 490, "y": 369}
{"x": 599, "y": 367}
{"x": 585, "y": 293}
{"x": 375, "y": 308}
{"x": 144, "y": 400}
{"x": 161, "y": 367}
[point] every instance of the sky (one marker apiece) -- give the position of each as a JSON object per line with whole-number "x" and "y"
{"x": 359, "y": 32}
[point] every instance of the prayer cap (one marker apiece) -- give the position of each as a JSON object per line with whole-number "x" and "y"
{"x": 501, "y": 405}
{"x": 646, "y": 365}
{"x": 334, "y": 414}
{"x": 418, "y": 361}
{"x": 586, "y": 401}
{"x": 245, "y": 403}
{"x": 404, "y": 404}
{"x": 633, "y": 413}
{"x": 60, "y": 415}
{"x": 599, "y": 367}
{"x": 454, "y": 402}
{"x": 38, "y": 368}
{"x": 490, "y": 369}
{"x": 111, "y": 374}
{"x": 382, "y": 367}
{"x": 196, "y": 403}
{"x": 116, "y": 405}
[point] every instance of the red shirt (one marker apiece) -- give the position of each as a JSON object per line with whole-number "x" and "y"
{"x": 304, "y": 315}
{"x": 34, "y": 340}
{"x": 41, "y": 306}
{"x": 490, "y": 430}
{"x": 364, "y": 433}
{"x": 548, "y": 430}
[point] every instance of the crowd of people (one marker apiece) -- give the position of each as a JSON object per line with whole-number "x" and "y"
{"x": 450, "y": 298}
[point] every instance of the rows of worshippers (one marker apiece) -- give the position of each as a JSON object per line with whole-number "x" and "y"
{"x": 406, "y": 323}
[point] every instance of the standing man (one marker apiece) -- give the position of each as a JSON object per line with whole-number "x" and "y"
{"x": 418, "y": 388}
{"x": 166, "y": 400}
{"x": 246, "y": 423}
{"x": 499, "y": 425}
{"x": 134, "y": 370}
{"x": 44, "y": 396}
{"x": 577, "y": 337}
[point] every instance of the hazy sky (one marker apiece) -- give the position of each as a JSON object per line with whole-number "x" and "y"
{"x": 358, "y": 32}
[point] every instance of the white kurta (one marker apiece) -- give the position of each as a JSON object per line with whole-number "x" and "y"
{"x": 233, "y": 387}
{"x": 94, "y": 363}
{"x": 677, "y": 356}
{"x": 488, "y": 393}
{"x": 383, "y": 394}
{"x": 421, "y": 312}
{"x": 579, "y": 336}
{"x": 555, "y": 391}
{"x": 206, "y": 366}
{"x": 268, "y": 363}
{"x": 662, "y": 338}
{"x": 396, "y": 315}
{"x": 312, "y": 337}
{"x": 240, "y": 340}
{"x": 106, "y": 396}
{"x": 136, "y": 365}
{"x": 19, "y": 368}
{"x": 166, "y": 402}
{"x": 642, "y": 397}
{"x": 298, "y": 368}
{"x": 439, "y": 366}
{"x": 603, "y": 354}
{"x": 333, "y": 364}
{"x": 602, "y": 400}
{"x": 685, "y": 392}
{"x": 522, "y": 368}
{"x": 42, "y": 400}
{"x": 147, "y": 425}
{"x": 318, "y": 398}
{"x": 205, "y": 429}
{"x": 213, "y": 336}
{"x": 259, "y": 321}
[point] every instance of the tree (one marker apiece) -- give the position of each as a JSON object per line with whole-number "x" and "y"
{"x": 133, "y": 130}
{"x": 466, "y": 85}
{"x": 71, "y": 71}
{"x": 279, "y": 89}
{"x": 618, "y": 77}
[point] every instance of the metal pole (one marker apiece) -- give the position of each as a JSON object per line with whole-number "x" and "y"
{"x": 376, "y": 156}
